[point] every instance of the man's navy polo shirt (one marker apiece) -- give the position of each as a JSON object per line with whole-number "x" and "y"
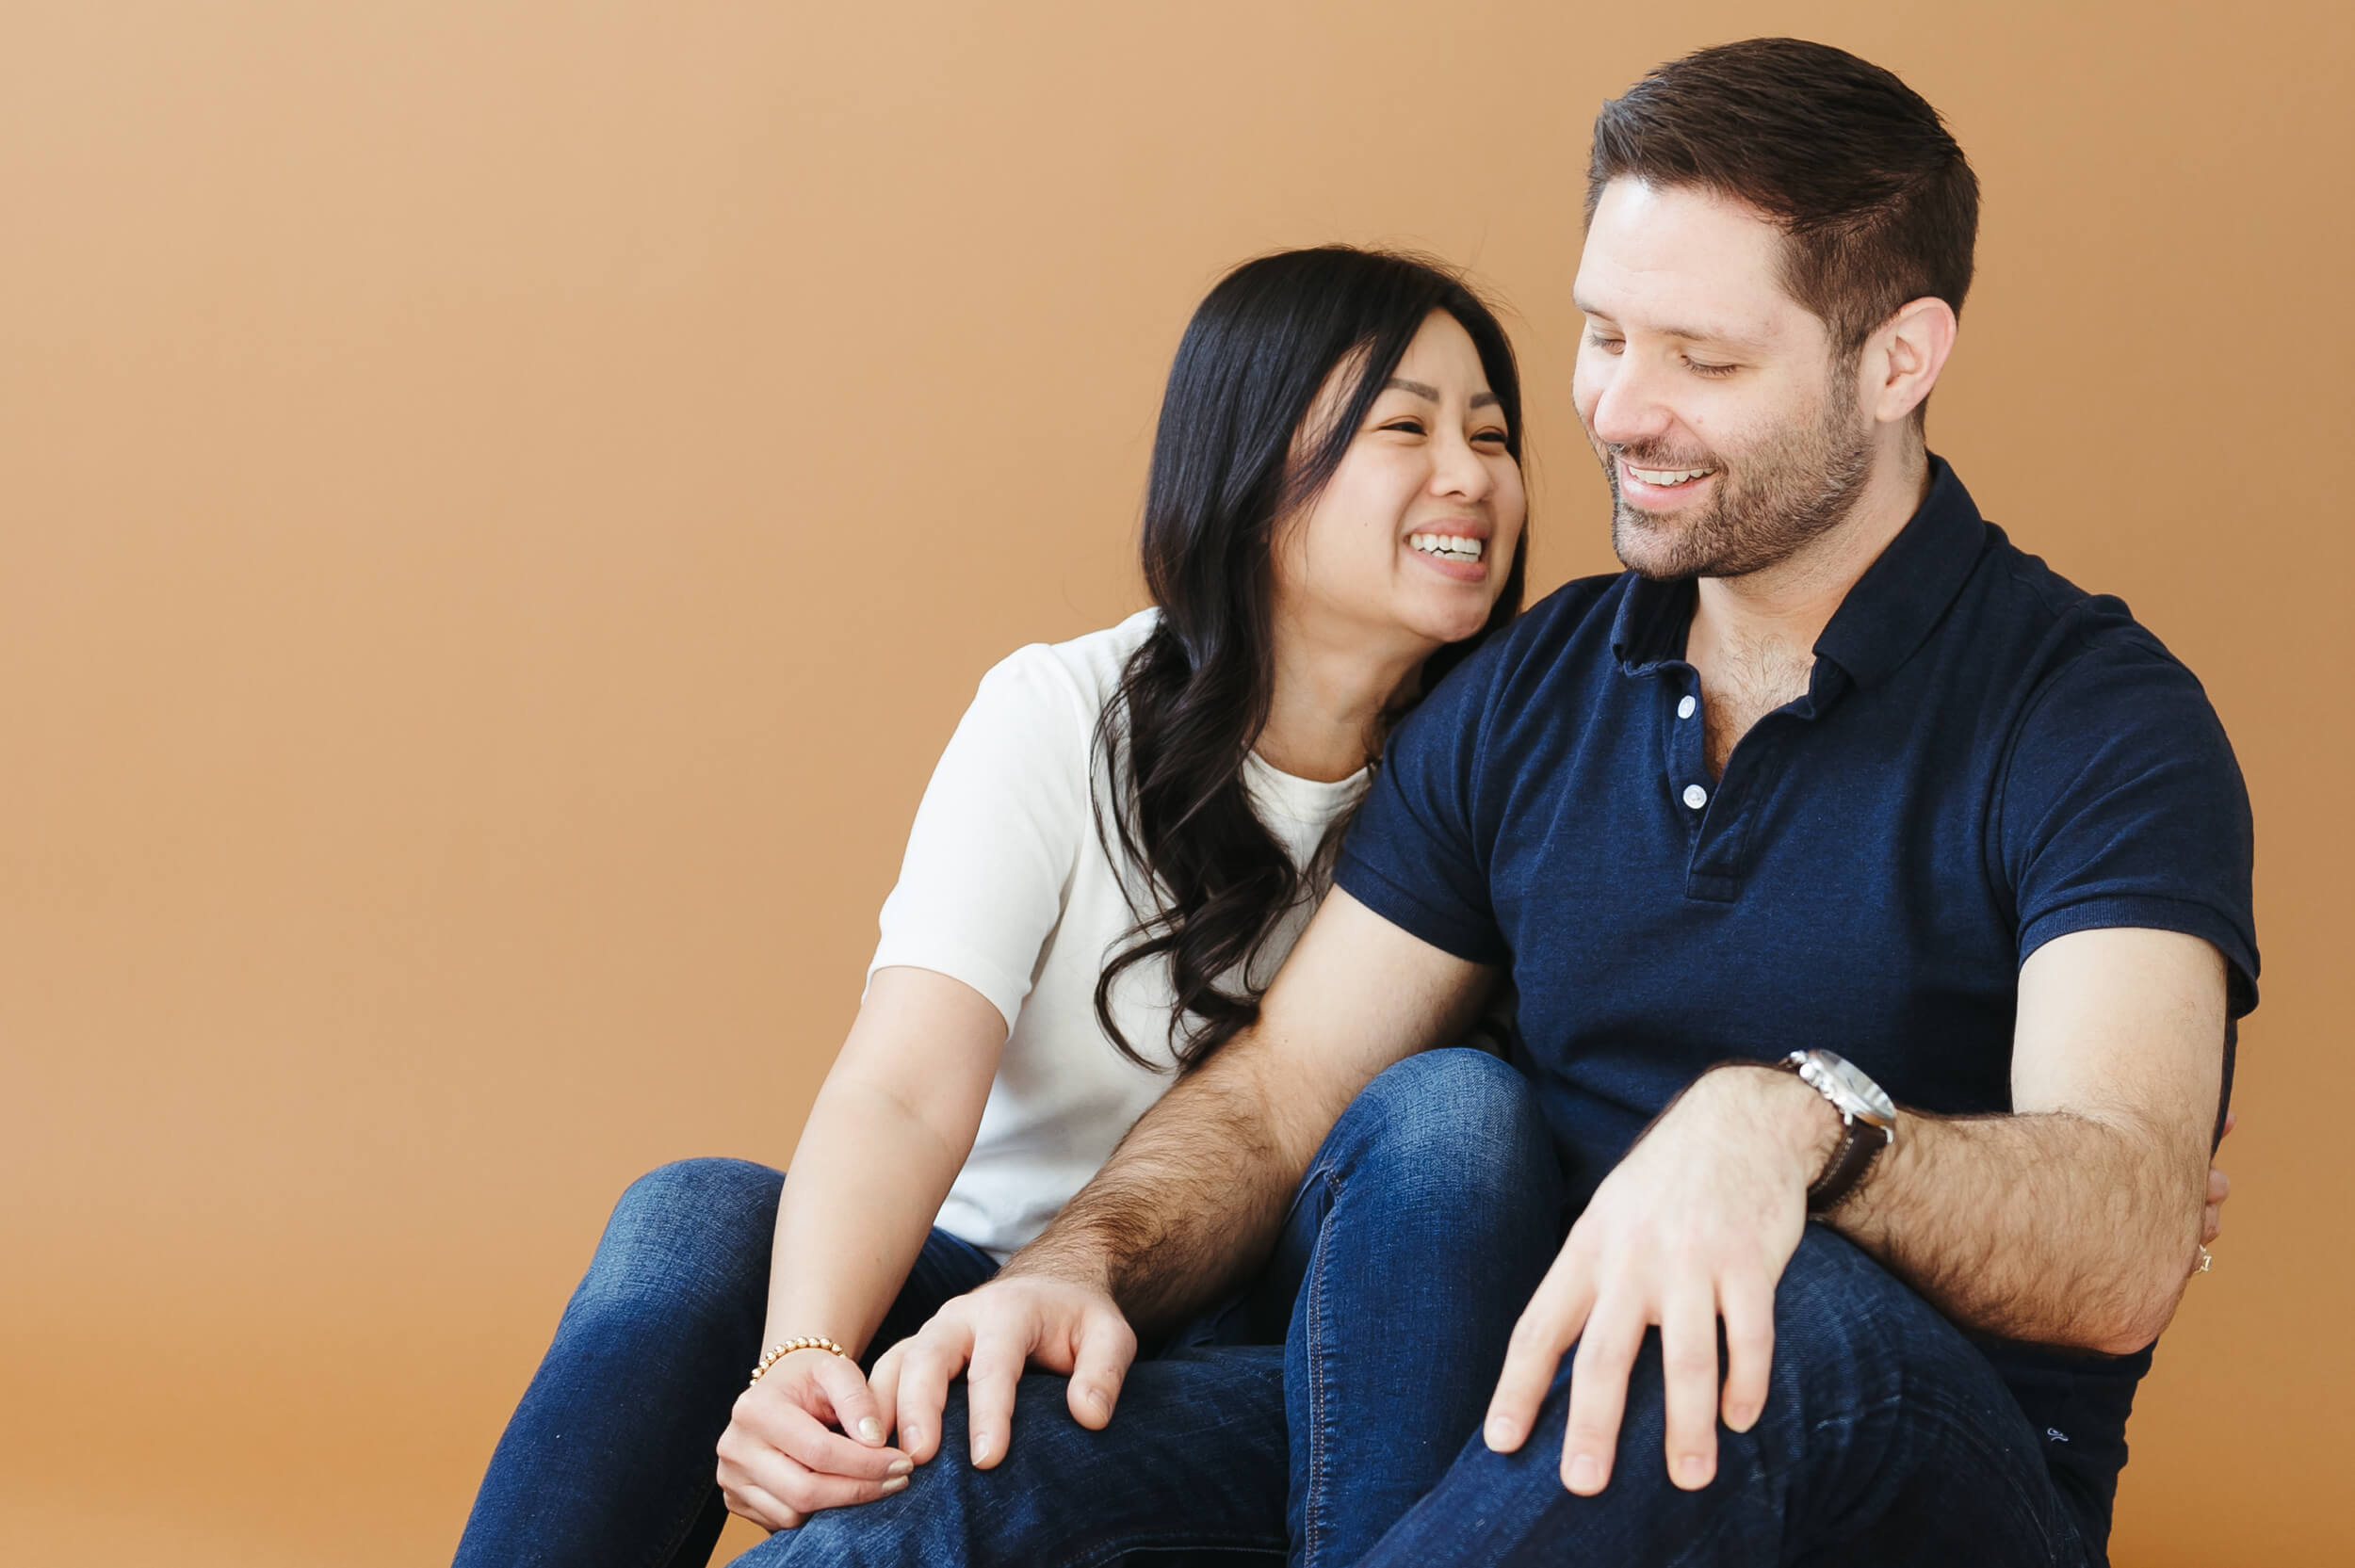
{"x": 1985, "y": 759}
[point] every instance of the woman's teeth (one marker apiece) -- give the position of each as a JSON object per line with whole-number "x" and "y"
{"x": 1447, "y": 547}
{"x": 1667, "y": 477}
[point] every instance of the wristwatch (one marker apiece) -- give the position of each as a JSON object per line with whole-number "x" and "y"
{"x": 1866, "y": 1114}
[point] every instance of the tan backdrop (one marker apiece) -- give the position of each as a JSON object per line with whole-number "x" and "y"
{"x": 501, "y": 502}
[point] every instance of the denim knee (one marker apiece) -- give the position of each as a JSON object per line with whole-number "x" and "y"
{"x": 1458, "y": 1119}
{"x": 694, "y": 1231}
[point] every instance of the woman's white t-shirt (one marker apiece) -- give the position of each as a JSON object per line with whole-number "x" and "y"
{"x": 1008, "y": 888}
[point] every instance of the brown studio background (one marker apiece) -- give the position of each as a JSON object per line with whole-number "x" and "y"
{"x": 501, "y": 502}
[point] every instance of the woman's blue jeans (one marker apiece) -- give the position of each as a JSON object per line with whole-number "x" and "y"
{"x": 1302, "y": 1419}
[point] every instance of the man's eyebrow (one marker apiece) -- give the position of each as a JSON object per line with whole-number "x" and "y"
{"x": 1686, "y": 334}
{"x": 1431, "y": 393}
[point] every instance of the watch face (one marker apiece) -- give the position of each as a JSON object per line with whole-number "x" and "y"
{"x": 1851, "y": 1083}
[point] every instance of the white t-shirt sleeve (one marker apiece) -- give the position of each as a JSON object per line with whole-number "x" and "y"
{"x": 990, "y": 856}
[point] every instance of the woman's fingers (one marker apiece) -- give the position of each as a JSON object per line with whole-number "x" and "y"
{"x": 854, "y": 1406}
{"x": 779, "y": 1493}
{"x": 783, "y": 1419}
{"x": 747, "y": 1501}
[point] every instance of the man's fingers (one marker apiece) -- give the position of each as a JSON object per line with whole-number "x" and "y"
{"x": 924, "y": 1373}
{"x": 2219, "y": 1186}
{"x": 1107, "y": 1346}
{"x": 855, "y": 1410}
{"x": 1553, "y": 1319}
{"x": 884, "y": 1382}
{"x": 2211, "y": 1224}
{"x": 1748, "y": 1305}
{"x": 998, "y": 1358}
{"x": 1598, "y": 1373}
{"x": 1688, "y": 1368}
{"x": 2232, "y": 1120}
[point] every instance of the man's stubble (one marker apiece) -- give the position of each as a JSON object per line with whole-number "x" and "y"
{"x": 1783, "y": 494}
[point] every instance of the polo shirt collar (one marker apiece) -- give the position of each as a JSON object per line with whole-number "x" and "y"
{"x": 1902, "y": 596}
{"x": 1886, "y": 616}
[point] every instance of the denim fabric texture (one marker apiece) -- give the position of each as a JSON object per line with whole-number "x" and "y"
{"x": 1888, "y": 1441}
{"x": 609, "y": 1456}
{"x": 1297, "y": 1421}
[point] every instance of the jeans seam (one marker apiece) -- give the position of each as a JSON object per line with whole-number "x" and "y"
{"x": 1111, "y": 1551}
{"x": 1312, "y": 1506}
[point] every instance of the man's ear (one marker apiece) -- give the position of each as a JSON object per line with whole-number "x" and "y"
{"x": 1902, "y": 361}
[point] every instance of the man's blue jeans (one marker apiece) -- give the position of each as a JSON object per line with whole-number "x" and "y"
{"x": 1299, "y": 1420}
{"x": 1888, "y": 1441}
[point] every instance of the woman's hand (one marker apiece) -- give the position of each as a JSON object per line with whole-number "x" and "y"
{"x": 781, "y": 1459}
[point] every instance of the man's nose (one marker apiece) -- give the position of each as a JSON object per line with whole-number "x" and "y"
{"x": 1630, "y": 407}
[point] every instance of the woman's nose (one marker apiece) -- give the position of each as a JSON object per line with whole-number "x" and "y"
{"x": 1457, "y": 469}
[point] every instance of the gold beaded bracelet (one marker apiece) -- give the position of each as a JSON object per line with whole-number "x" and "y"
{"x": 786, "y": 1346}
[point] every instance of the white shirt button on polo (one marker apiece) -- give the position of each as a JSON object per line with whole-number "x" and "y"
{"x": 1684, "y": 709}
{"x": 1694, "y": 795}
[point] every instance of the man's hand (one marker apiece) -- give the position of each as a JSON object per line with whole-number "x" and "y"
{"x": 780, "y": 1461}
{"x": 1697, "y": 1223}
{"x": 1014, "y": 1321}
{"x": 2219, "y": 1189}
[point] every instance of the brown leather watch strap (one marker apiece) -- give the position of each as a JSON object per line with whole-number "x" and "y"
{"x": 1862, "y": 1141}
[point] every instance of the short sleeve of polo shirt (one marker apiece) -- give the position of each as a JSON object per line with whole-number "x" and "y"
{"x": 1414, "y": 855}
{"x": 2122, "y": 805}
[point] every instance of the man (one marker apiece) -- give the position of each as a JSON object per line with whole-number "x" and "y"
{"x": 1833, "y": 771}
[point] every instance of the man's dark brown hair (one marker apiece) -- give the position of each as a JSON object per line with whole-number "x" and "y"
{"x": 1874, "y": 199}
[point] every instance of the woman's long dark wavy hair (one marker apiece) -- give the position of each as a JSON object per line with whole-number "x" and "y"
{"x": 1194, "y": 698}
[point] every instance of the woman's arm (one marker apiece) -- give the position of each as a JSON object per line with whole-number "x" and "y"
{"x": 892, "y": 1125}
{"x": 890, "y": 1129}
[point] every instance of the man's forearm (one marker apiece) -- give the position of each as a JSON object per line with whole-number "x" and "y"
{"x": 1191, "y": 1201}
{"x": 2058, "y": 1228}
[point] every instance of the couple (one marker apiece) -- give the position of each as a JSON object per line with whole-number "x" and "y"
{"x": 1833, "y": 771}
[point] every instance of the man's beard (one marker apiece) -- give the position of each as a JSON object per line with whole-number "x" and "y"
{"x": 1784, "y": 493}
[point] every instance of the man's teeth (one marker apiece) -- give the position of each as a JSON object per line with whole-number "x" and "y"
{"x": 1668, "y": 476}
{"x": 1447, "y": 547}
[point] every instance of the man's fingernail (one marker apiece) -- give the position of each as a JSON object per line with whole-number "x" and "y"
{"x": 894, "y": 1484}
{"x": 1585, "y": 1473}
{"x": 1693, "y": 1470}
{"x": 870, "y": 1428}
{"x": 901, "y": 1467}
{"x": 910, "y": 1437}
{"x": 1499, "y": 1435}
{"x": 1742, "y": 1421}
{"x": 981, "y": 1451}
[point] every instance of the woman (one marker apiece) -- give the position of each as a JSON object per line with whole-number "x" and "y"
{"x": 1121, "y": 842}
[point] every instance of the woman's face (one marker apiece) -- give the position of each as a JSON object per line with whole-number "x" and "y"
{"x": 1413, "y": 538}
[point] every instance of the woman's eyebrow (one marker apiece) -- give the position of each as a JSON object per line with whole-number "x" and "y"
{"x": 1431, "y": 393}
